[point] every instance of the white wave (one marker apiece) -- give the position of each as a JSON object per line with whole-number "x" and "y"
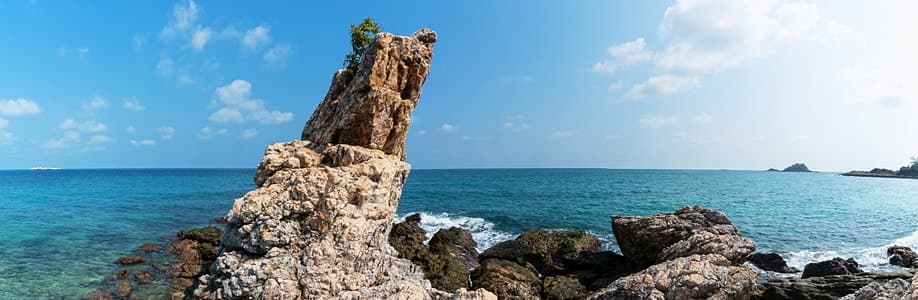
{"x": 871, "y": 259}
{"x": 482, "y": 231}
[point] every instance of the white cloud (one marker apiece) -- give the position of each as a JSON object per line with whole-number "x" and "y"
{"x": 166, "y": 133}
{"x": 183, "y": 18}
{"x": 100, "y": 139}
{"x": 516, "y": 123}
{"x": 662, "y": 85}
{"x": 701, "y": 118}
{"x": 248, "y": 133}
{"x": 657, "y": 121}
{"x": 133, "y": 104}
{"x": 95, "y": 104}
{"x": 18, "y": 107}
{"x": 144, "y": 142}
{"x": 238, "y": 106}
{"x": 87, "y": 126}
{"x": 227, "y": 114}
{"x": 130, "y": 129}
{"x": 563, "y": 134}
{"x": 278, "y": 54}
{"x": 200, "y": 37}
{"x": 256, "y": 37}
{"x": 447, "y": 127}
{"x": 164, "y": 67}
{"x": 207, "y": 133}
{"x": 70, "y": 138}
{"x": 628, "y": 53}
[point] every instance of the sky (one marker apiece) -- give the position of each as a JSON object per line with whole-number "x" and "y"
{"x": 688, "y": 84}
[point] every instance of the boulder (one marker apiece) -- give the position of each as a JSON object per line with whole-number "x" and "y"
{"x": 150, "y": 247}
{"x": 457, "y": 242}
{"x": 317, "y": 224}
{"x": 823, "y": 287}
{"x": 507, "y": 280}
{"x": 548, "y": 252}
{"x": 444, "y": 262}
{"x": 902, "y": 256}
{"x": 688, "y": 231}
{"x": 598, "y": 269}
{"x": 124, "y": 289}
{"x": 891, "y": 290}
{"x": 562, "y": 288}
{"x": 710, "y": 276}
{"x": 143, "y": 276}
{"x": 836, "y": 266}
{"x": 408, "y": 240}
{"x": 209, "y": 235}
{"x": 130, "y": 260}
{"x": 771, "y": 262}
{"x": 119, "y": 275}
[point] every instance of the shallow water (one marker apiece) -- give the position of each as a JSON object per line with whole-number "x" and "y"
{"x": 63, "y": 229}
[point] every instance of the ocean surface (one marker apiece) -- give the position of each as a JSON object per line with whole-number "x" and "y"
{"x": 62, "y": 230}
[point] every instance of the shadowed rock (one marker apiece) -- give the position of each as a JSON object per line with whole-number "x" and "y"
{"x": 902, "y": 256}
{"x": 836, "y": 266}
{"x": 824, "y": 287}
{"x": 771, "y": 262}
{"x": 507, "y": 279}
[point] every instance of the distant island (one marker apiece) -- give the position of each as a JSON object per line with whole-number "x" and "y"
{"x": 910, "y": 171}
{"x": 798, "y": 167}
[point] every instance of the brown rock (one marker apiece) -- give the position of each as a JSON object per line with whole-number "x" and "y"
{"x": 150, "y": 247}
{"x": 125, "y": 289}
{"x": 119, "y": 276}
{"x": 549, "y": 252}
{"x": 130, "y": 260}
{"x": 143, "y": 276}
{"x": 562, "y": 288}
{"x": 456, "y": 242}
{"x": 902, "y": 256}
{"x": 98, "y": 295}
{"x": 507, "y": 280}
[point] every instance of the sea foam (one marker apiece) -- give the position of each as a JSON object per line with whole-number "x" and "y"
{"x": 482, "y": 231}
{"x": 871, "y": 259}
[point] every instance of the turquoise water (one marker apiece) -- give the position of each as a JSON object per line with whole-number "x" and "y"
{"x": 63, "y": 229}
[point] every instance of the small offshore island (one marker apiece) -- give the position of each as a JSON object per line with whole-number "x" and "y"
{"x": 797, "y": 167}
{"x": 908, "y": 172}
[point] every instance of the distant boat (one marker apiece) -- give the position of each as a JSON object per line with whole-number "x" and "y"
{"x": 44, "y": 168}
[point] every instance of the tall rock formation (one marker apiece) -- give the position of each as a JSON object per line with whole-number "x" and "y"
{"x": 316, "y": 226}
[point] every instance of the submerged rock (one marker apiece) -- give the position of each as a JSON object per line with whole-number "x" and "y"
{"x": 902, "y": 256}
{"x": 125, "y": 288}
{"x": 130, "y": 260}
{"x": 709, "y": 276}
{"x": 771, "y": 262}
{"x": 836, "y": 266}
{"x": 686, "y": 232}
{"x": 823, "y": 287}
{"x": 150, "y": 247}
{"x": 317, "y": 225}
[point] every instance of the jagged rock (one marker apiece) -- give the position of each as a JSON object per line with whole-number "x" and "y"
{"x": 709, "y": 276}
{"x": 597, "y": 270}
{"x": 836, "y": 266}
{"x": 130, "y": 260}
{"x": 507, "y": 279}
{"x": 210, "y": 235}
{"x": 408, "y": 240}
{"x": 562, "y": 288}
{"x": 548, "y": 252}
{"x": 902, "y": 256}
{"x": 771, "y": 262}
{"x": 317, "y": 225}
{"x": 444, "y": 261}
{"x": 823, "y": 287}
{"x": 688, "y": 231}
{"x": 891, "y": 290}
{"x": 458, "y": 242}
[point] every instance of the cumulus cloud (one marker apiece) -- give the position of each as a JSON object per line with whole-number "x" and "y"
{"x": 69, "y": 138}
{"x": 96, "y": 103}
{"x": 18, "y": 107}
{"x": 662, "y": 85}
{"x": 144, "y": 142}
{"x": 184, "y": 16}
{"x": 207, "y": 133}
{"x": 278, "y": 55}
{"x": 657, "y": 121}
{"x": 100, "y": 139}
{"x": 86, "y": 126}
{"x": 628, "y": 53}
{"x": 200, "y": 37}
{"x": 447, "y": 127}
{"x": 237, "y": 106}
{"x": 133, "y": 104}
{"x": 256, "y": 37}
{"x": 248, "y": 133}
{"x": 166, "y": 133}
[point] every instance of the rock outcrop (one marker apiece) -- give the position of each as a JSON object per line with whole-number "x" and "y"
{"x": 317, "y": 225}
{"x": 688, "y": 231}
{"x": 902, "y": 256}
{"x": 836, "y": 266}
{"x": 825, "y": 287}
{"x": 771, "y": 262}
{"x": 448, "y": 259}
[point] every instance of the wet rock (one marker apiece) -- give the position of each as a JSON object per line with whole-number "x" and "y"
{"x": 562, "y": 288}
{"x": 125, "y": 288}
{"x": 688, "y": 231}
{"x": 408, "y": 240}
{"x": 823, "y": 287}
{"x": 98, "y": 295}
{"x": 209, "y": 235}
{"x": 456, "y": 242}
{"x": 150, "y": 247}
{"x": 444, "y": 261}
{"x": 709, "y": 276}
{"x": 771, "y": 262}
{"x": 130, "y": 260}
{"x": 220, "y": 220}
{"x": 836, "y": 266}
{"x": 599, "y": 269}
{"x": 159, "y": 267}
{"x": 143, "y": 276}
{"x": 507, "y": 280}
{"x": 446, "y": 271}
{"x": 549, "y": 252}
{"x": 902, "y": 256}
{"x": 119, "y": 276}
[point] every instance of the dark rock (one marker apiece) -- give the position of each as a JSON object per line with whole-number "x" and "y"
{"x": 220, "y": 220}
{"x": 690, "y": 230}
{"x": 124, "y": 289}
{"x": 836, "y": 266}
{"x": 455, "y": 241}
{"x": 159, "y": 267}
{"x": 446, "y": 272}
{"x": 772, "y": 170}
{"x": 119, "y": 276}
{"x": 771, "y": 262}
{"x": 562, "y": 288}
{"x": 902, "y": 256}
{"x": 143, "y": 276}
{"x": 549, "y": 252}
{"x": 823, "y": 287}
{"x": 98, "y": 295}
{"x": 130, "y": 260}
{"x": 798, "y": 167}
{"x": 506, "y": 279}
{"x": 209, "y": 235}
{"x": 597, "y": 270}
{"x": 446, "y": 262}
{"x": 408, "y": 240}
{"x": 150, "y": 247}
{"x": 413, "y": 218}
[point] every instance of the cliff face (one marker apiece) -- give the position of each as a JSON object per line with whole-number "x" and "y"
{"x": 316, "y": 227}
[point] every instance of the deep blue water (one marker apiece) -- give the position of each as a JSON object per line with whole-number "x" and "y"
{"x": 62, "y": 230}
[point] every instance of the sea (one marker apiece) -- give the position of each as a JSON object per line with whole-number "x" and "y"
{"x": 62, "y": 230}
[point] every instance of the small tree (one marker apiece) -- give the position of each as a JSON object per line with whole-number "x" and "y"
{"x": 361, "y": 37}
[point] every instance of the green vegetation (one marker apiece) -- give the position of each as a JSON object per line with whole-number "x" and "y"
{"x": 361, "y": 37}
{"x": 911, "y": 170}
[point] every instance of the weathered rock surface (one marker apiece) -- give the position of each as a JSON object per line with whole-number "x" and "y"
{"x": 130, "y": 260}
{"x": 563, "y": 287}
{"x": 317, "y": 225}
{"x": 548, "y": 252}
{"x": 507, "y": 279}
{"x": 902, "y": 256}
{"x": 711, "y": 276}
{"x": 771, "y": 262}
{"x": 824, "y": 287}
{"x": 891, "y": 290}
{"x": 456, "y": 242}
{"x": 686, "y": 232}
{"x": 836, "y": 266}
{"x": 445, "y": 262}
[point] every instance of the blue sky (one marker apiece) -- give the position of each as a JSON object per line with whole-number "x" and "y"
{"x": 614, "y": 84}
